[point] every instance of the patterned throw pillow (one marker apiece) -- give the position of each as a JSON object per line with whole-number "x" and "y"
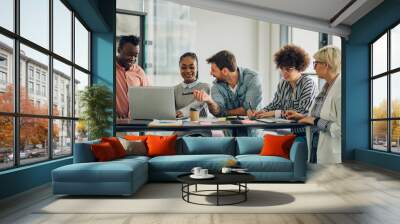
{"x": 134, "y": 147}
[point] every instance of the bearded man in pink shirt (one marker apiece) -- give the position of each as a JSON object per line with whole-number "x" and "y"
{"x": 128, "y": 73}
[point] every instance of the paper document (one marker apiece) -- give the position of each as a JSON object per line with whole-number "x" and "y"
{"x": 275, "y": 120}
{"x": 166, "y": 123}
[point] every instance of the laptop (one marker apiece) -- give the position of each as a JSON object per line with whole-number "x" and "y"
{"x": 148, "y": 103}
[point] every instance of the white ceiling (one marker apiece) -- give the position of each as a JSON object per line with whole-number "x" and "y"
{"x": 307, "y": 14}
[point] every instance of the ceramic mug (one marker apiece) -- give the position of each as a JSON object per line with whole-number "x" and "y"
{"x": 203, "y": 172}
{"x": 196, "y": 171}
{"x": 226, "y": 170}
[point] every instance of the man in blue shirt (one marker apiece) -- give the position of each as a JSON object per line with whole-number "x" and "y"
{"x": 235, "y": 89}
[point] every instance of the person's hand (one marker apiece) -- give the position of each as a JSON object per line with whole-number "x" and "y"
{"x": 264, "y": 114}
{"x": 251, "y": 114}
{"x": 179, "y": 114}
{"x": 201, "y": 96}
{"x": 307, "y": 120}
{"x": 292, "y": 115}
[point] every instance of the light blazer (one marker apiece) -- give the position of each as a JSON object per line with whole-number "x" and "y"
{"x": 329, "y": 143}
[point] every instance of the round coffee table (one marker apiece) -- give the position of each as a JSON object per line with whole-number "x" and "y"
{"x": 238, "y": 179}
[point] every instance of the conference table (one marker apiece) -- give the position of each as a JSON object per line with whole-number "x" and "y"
{"x": 235, "y": 125}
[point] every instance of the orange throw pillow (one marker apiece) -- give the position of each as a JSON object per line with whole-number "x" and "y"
{"x": 277, "y": 145}
{"x": 136, "y": 137}
{"x": 161, "y": 145}
{"x": 103, "y": 152}
{"x": 116, "y": 145}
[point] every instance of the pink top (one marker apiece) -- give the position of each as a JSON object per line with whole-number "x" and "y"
{"x": 133, "y": 77}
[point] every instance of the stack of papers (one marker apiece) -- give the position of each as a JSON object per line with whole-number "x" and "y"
{"x": 166, "y": 123}
{"x": 275, "y": 120}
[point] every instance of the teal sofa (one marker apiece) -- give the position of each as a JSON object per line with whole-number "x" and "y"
{"x": 125, "y": 176}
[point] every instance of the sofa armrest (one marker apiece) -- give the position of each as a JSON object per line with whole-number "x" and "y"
{"x": 83, "y": 152}
{"x": 299, "y": 155}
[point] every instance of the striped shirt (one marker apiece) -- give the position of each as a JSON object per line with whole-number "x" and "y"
{"x": 298, "y": 99}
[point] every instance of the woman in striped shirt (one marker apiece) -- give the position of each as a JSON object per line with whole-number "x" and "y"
{"x": 295, "y": 91}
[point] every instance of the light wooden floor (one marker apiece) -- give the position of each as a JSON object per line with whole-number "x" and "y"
{"x": 378, "y": 188}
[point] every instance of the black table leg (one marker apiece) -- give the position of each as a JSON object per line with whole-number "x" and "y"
{"x": 217, "y": 194}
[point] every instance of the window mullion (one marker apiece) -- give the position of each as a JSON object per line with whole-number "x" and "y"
{"x": 50, "y": 81}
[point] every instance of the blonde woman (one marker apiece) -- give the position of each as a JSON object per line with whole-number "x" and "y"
{"x": 324, "y": 136}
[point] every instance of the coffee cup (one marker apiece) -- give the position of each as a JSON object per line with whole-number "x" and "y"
{"x": 196, "y": 171}
{"x": 203, "y": 172}
{"x": 226, "y": 170}
{"x": 194, "y": 114}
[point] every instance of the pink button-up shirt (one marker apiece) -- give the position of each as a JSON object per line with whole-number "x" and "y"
{"x": 133, "y": 77}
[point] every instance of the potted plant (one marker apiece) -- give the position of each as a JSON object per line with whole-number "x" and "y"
{"x": 96, "y": 104}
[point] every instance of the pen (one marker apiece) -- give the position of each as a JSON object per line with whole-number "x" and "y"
{"x": 188, "y": 93}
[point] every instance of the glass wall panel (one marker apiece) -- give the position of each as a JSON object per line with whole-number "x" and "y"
{"x": 395, "y": 136}
{"x": 62, "y": 29}
{"x": 379, "y": 135}
{"x": 6, "y": 74}
{"x": 7, "y": 14}
{"x": 34, "y": 76}
{"x": 34, "y": 144}
{"x": 395, "y": 47}
{"x": 309, "y": 41}
{"x": 395, "y": 94}
{"x": 81, "y": 131}
{"x": 133, "y": 5}
{"x": 6, "y": 142}
{"x": 35, "y": 21}
{"x": 379, "y": 98}
{"x": 62, "y": 138}
{"x": 62, "y": 89}
{"x": 81, "y": 81}
{"x": 81, "y": 45}
{"x": 379, "y": 56}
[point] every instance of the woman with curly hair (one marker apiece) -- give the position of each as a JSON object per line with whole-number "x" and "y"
{"x": 296, "y": 91}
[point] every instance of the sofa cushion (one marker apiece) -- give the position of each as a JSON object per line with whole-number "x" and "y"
{"x": 185, "y": 163}
{"x": 103, "y": 152}
{"x": 257, "y": 163}
{"x": 161, "y": 145}
{"x": 277, "y": 145}
{"x": 249, "y": 145}
{"x": 208, "y": 145}
{"x": 134, "y": 147}
{"x": 112, "y": 171}
{"x": 116, "y": 145}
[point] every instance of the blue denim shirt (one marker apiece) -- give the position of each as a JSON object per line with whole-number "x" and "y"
{"x": 248, "y": 93}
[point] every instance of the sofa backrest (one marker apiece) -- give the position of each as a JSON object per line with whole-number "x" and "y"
{"x": 83, "y": 152}
{"x": 249, "y": 145}
{"x": 207, "y": 145}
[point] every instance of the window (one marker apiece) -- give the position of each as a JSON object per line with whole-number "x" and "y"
{"x": 385, "y": 96}
{"x": 37, "y": 89}
{"x": 30, "y": 72}
{"x": 45, "y": 131}
{"x": 81, "y": 45}
{"x": 7, "y": 14}
{"x": 43, "y": 90}
{"x": 30, "y": 87}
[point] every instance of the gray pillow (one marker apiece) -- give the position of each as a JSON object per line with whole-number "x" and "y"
{"x": 137, "y": 147}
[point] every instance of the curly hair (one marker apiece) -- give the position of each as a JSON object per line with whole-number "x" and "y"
{"x": 292, "y": 56}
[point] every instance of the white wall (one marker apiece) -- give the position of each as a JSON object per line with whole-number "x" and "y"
{"x": 216, "y": 31}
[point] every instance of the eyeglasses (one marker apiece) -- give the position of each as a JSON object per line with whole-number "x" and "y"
{"x": 287, "y": 69}
{"x": 318, "y": 62}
